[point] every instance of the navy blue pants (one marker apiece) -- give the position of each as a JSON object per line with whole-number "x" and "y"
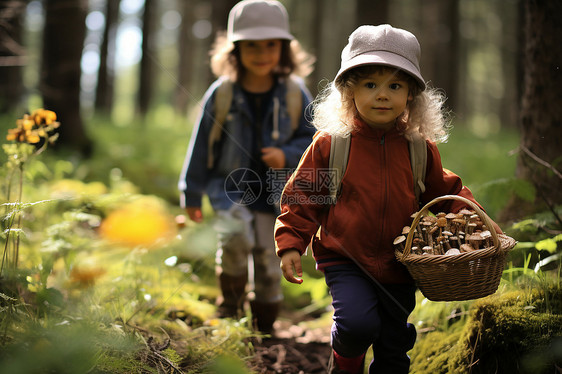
{"x": 365, "y": 315}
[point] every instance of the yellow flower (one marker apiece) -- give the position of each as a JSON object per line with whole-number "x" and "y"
{"x": 140, "y": 223}
{"x": 213, "y": 322}
{"x": 31, "y": 128}
{"x": 25, "y": 123}
{"x": 13, "y": 134}
{"x": 43, "y": 116}
{"x": 21, "y": 135}
{"x": 85, "y": 276}
{"x": 32, "y": 137}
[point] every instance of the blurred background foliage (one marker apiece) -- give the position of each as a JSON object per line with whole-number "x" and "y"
{"x": 130, "y": 78}
{"x": 142, "y": 74}
{"x": 100, "y": 271}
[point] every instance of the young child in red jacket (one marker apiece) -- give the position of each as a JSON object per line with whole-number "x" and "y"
{"x": 379, "y": 99}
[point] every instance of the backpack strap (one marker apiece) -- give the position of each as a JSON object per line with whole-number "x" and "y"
{"x": 339, "y": 155}
{"x": 418, "y": 159}
{"x": 223, "y": 101}
{"x": 294, "y": 101}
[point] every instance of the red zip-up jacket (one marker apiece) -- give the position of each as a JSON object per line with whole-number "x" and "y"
{"x": 376, "y": 202}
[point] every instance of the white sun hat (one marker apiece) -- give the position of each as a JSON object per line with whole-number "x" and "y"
{"x": 382, "y": 45}
{"x": 258, "y": 20}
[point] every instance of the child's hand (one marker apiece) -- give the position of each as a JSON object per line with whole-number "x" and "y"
{"x": 194, "y": 213}
{"x": 289, "y": 260}
{"x": 273, "y": 157}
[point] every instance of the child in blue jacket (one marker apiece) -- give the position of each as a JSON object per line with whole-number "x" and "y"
{"x": 242, "y": 157}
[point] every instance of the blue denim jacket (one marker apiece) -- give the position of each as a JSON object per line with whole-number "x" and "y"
{"x": 233, "y": 152}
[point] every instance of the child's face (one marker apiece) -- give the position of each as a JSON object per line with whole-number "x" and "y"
{"x": 260, "y": 57}
{"x": 381, "y": 97}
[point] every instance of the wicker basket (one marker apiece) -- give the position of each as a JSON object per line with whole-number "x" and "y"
{"x": 464, "y": 276}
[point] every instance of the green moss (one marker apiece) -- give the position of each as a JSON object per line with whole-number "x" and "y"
{"x": 497, "y": 337}
{"x": 432, "y": 353}
{"x": 505, "y": 334}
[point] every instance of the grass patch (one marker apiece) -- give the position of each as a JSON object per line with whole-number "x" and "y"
{"x": 484, "y": 164}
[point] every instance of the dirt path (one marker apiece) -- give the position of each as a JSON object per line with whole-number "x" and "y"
{"x": 293, "y": 350}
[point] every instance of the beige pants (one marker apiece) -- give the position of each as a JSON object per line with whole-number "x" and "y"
{"x": 246, "y": 245}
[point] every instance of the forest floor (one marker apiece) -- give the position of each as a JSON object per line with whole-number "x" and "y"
{"x": 293, "y": 350}
{"x": 297, "y": 346}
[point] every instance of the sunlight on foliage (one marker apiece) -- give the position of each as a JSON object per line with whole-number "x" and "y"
{"x": 549, "y": 244}
{"x": 72, "y": 188}
{"x": 85, "y": 276}
{"x": 198, "y": 242}
{"x": 226, "y": 338}
{"x": 502, "y": 331}
{"x": 89, "y": 289}
{"x": 227, "y": 364}
{"x": 108, "y": 281}
{"x": 60, "y": 344}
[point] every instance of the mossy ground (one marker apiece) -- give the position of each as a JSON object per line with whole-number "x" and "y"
{"x": 517, "y": 332}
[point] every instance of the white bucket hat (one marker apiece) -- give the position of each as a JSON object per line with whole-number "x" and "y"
{"x": 382, "y": 45}
{"x": 258, "y": 20}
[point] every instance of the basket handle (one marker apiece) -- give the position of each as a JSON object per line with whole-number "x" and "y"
{"x": 487, "y": 221}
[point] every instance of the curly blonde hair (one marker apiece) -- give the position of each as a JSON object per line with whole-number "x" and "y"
{"x": 335, "y": 112}
{"x": 225, "y": 59}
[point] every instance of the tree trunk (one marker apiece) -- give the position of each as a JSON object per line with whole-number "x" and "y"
{"x": 540, "y": 117}
{"x": 182, "y": 95}
{"x": 63, "y": 41}
{"x": 12, "y": 54}
{"x": 450, "y": 63}
{"x": 149, "y": 56}
{"x": 219, "y": 20}
{"x": 106, "y": 73}
{"x": 317, "y": 25}
{"x": 369, "y": 12}
{"x": 509, "y": 48}
{"x": 221, "y": 9}
{"x": 439, "y": 40}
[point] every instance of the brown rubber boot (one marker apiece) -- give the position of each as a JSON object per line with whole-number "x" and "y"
{"x": 233, "y": 295}
{"x": 264, "y": 315}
